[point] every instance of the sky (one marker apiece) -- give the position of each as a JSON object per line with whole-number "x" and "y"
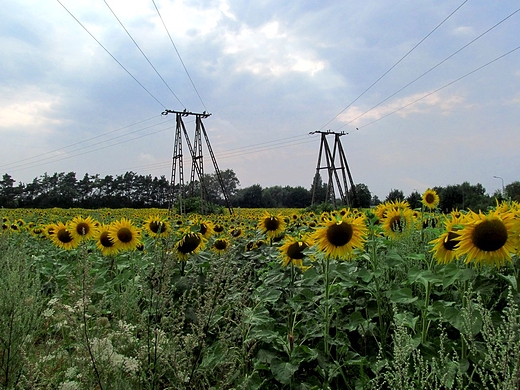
{"x": 425, "y": 93}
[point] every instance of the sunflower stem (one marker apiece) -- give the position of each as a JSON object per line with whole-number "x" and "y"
{"x": 326, "y": 322}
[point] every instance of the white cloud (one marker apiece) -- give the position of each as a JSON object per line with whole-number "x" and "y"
{"x": 267, "y": 50}
{"x": 33, "y": 116}
{"x": 413, "y": 104}
{"x": 464, "y": 31}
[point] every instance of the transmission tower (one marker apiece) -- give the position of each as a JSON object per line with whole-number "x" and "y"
{"x": 335, "y": 161}
{"x": 178, "y": 190}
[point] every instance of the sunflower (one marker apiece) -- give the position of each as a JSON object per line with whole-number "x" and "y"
{"x": 272, "y": 225}
{"x": 220, "y": 245}
{"x": 339, "y": 238}
{"x": 206, "y": 229}
{"x": 83, "y": 228}
{"x": 103, "y": 241}
{"x": 487, "y": 239}
{"x": 189, "y": 243}
{"x": 292, "y": 252}
{"x": 444, "y": 247}
{"x": 397, "y": 222}
{"x": 63, "y": 238}
{"x": 430, "y": 198}
{"x": 124, "y": 234}
{"x": 157, "y": 226}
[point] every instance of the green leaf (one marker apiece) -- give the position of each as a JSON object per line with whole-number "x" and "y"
{"x": 511, "y": 279}
{"x": 424, "y": 277}
{"x": 283, "y": 371}
{"x": 403, "y": 295}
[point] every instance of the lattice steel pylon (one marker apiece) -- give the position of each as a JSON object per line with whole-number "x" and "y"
{"x": 177, "y": 189}
{"x": 336, "y": 161}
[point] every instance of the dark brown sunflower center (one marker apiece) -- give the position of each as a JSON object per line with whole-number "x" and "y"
{"x": 189, "y": 243}
{"x": 124, "y": 235}
{"x": 157, "y": 226}
{"x": 489, "y": 235}
{"x": 339, "y": 234}
{"x": 220, "y": 245}
{"x": 105, "y": 241}
{"x": 397, "y": 224}
{"x": 449, "y": 242}
{"x": 218, "y": 228}
{"x": 429, "y": 198}
{"x": 82, "y": 228}
{"x": 236, "y": 232}
{"x": 64, "y": 236}
{"x": 203, "y": 228}
{"x": 295, "y": 250}
{"x": 271, "y": 224}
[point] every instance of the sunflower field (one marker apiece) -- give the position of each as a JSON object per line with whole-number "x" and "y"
{"x": 383, "y": 298}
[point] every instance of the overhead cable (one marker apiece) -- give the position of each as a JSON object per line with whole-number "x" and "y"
{"x": 429, "y": 70}
{"x": 111, "y": 55}
{"x": 144, "y": 55}
{"x": 441, "y": 88}
{"x": 394, "y": 65}
{"x": 179, "y": 55}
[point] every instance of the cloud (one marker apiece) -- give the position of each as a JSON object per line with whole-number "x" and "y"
{"x": 34, "y": 116}
{"x": 464, "y": 31}
{"x": 269, "y": 51}
{"x": 419, "y": 103}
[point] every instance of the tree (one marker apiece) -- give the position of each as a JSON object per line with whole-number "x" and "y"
{"x": 298, "y": 197}
{"x": 394, "y": 196}
{"x": 363, "y": 196}
{"x": 512, "y": 191}
{"x": 250, "y": 197}
{"x": 7, "y": 192}
{"x": 318, "y": 189}
{"x": 414, "y": 200}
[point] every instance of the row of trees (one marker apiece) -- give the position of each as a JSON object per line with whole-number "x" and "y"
{"x": 140, "y": 191}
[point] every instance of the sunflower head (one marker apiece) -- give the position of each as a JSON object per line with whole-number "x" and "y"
{"x": 83, "y": 228}
{"x": 220, "y": 245}
{"x": 63, "y": 238}
{"x": 430, "y": 198}
{"x": 487, "y": 238}
{"x": 190, "y": 243}
{"x": 398, "y": 222}
{"x": 272, "y": 225}
{"x": 340, "y": 237}
{"x": 292, "y": 252}
{"x": 157, "y": 226}
{"x": 103, "y": 241}
{"x": 124, "y": 234}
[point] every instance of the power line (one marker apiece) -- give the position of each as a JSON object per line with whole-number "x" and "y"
{"x": 60, "y": 158}
{"x": 77, "y": 143}
{"x": 144, "y": 55}
{"x": 111, "y": 55}
{"x": 179, "y": 55}
{"x": 441, "y": 88}
{"x": 429, "y": 70}
{"x": 394, "y": 65}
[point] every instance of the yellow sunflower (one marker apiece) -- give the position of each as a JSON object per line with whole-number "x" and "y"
{"x": 292, "y": 252}
{"x": 189, "y": 243}
{"x": 63, "y": 238}
{"x": 124, "y": 234}
{"x": 272, "y": 225}
{"x": 103, "y": 241}
{"x": 157, "y": 226}
{"x": 430, "y": 198}
{"x": 206, "y": 229}
{"x": 83, "y": 228}
{"x": 444, "y": 247}
{"x": 487, "y": 239}
{"x": 398, "y": 221}
{"x": 339, "y": 238}
{"x": 220, "y": 245}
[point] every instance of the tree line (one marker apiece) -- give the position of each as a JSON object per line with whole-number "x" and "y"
{"x": 132, "y": 190}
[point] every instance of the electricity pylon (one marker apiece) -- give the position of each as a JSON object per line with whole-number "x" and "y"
{"x": 336, "y": 161}
{"x": 177, "y": 189}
